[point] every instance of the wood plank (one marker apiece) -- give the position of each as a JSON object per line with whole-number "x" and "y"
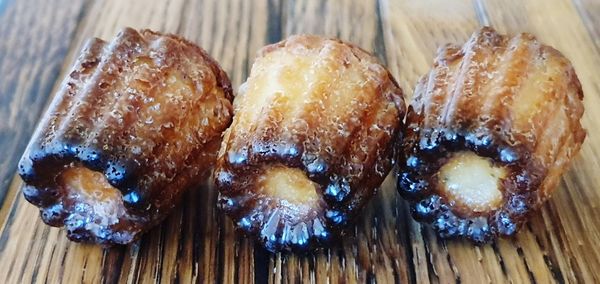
{"x": 589, "y": 12}
{"x": 34, "y": 43}
{"x": 197, "y": 243}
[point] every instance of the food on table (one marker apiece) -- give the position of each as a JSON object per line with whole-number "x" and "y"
{"x": 491, "y": 129}
{"x": 312, "y": 138}
{"x": 136, "y": 122}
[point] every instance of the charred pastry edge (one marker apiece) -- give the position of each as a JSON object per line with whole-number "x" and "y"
{"x": 121, "y": 175}
{"x": 338, "y": 209}
{"x": 416, "y": 181}
{"x": 244, "y": 221}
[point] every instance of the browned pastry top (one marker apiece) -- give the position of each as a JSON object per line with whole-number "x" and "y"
{"x": 527, "y": 93}
{"x": 320, "y": 93}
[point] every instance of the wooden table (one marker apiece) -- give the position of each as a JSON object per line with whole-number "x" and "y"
{"x": 39, "y": 39}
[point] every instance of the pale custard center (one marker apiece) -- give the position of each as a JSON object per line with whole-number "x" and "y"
{"x": 289, "y": 184}
{"x": 472, "y": 181}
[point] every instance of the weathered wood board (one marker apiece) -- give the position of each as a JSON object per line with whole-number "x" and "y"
{"x": 40, "y": 38}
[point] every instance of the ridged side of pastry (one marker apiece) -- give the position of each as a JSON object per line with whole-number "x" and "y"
{"x": 311, "y": 140}
{"x": 514, "y": 103}
{"x": 141, "y": 117}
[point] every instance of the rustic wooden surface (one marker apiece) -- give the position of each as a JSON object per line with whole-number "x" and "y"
{"x": 39, "y": 39}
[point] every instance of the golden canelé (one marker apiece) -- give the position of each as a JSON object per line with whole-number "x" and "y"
{"x": 312, "y": 138}
{"x": 136, "y": 122}
{"x": 489, "y": 132}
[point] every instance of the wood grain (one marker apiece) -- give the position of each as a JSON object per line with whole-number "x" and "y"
{"x": 197, "y": 243}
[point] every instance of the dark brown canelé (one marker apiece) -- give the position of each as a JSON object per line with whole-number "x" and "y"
{"x": 489, "y": 132}
{"x": 136, "y": 122}
{"x": 312, "y": 138}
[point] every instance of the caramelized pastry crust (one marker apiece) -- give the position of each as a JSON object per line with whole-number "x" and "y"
{"x": 491, "y": 129}
{"x": 311, "y": 140}
{"x": 136, "y": 122}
